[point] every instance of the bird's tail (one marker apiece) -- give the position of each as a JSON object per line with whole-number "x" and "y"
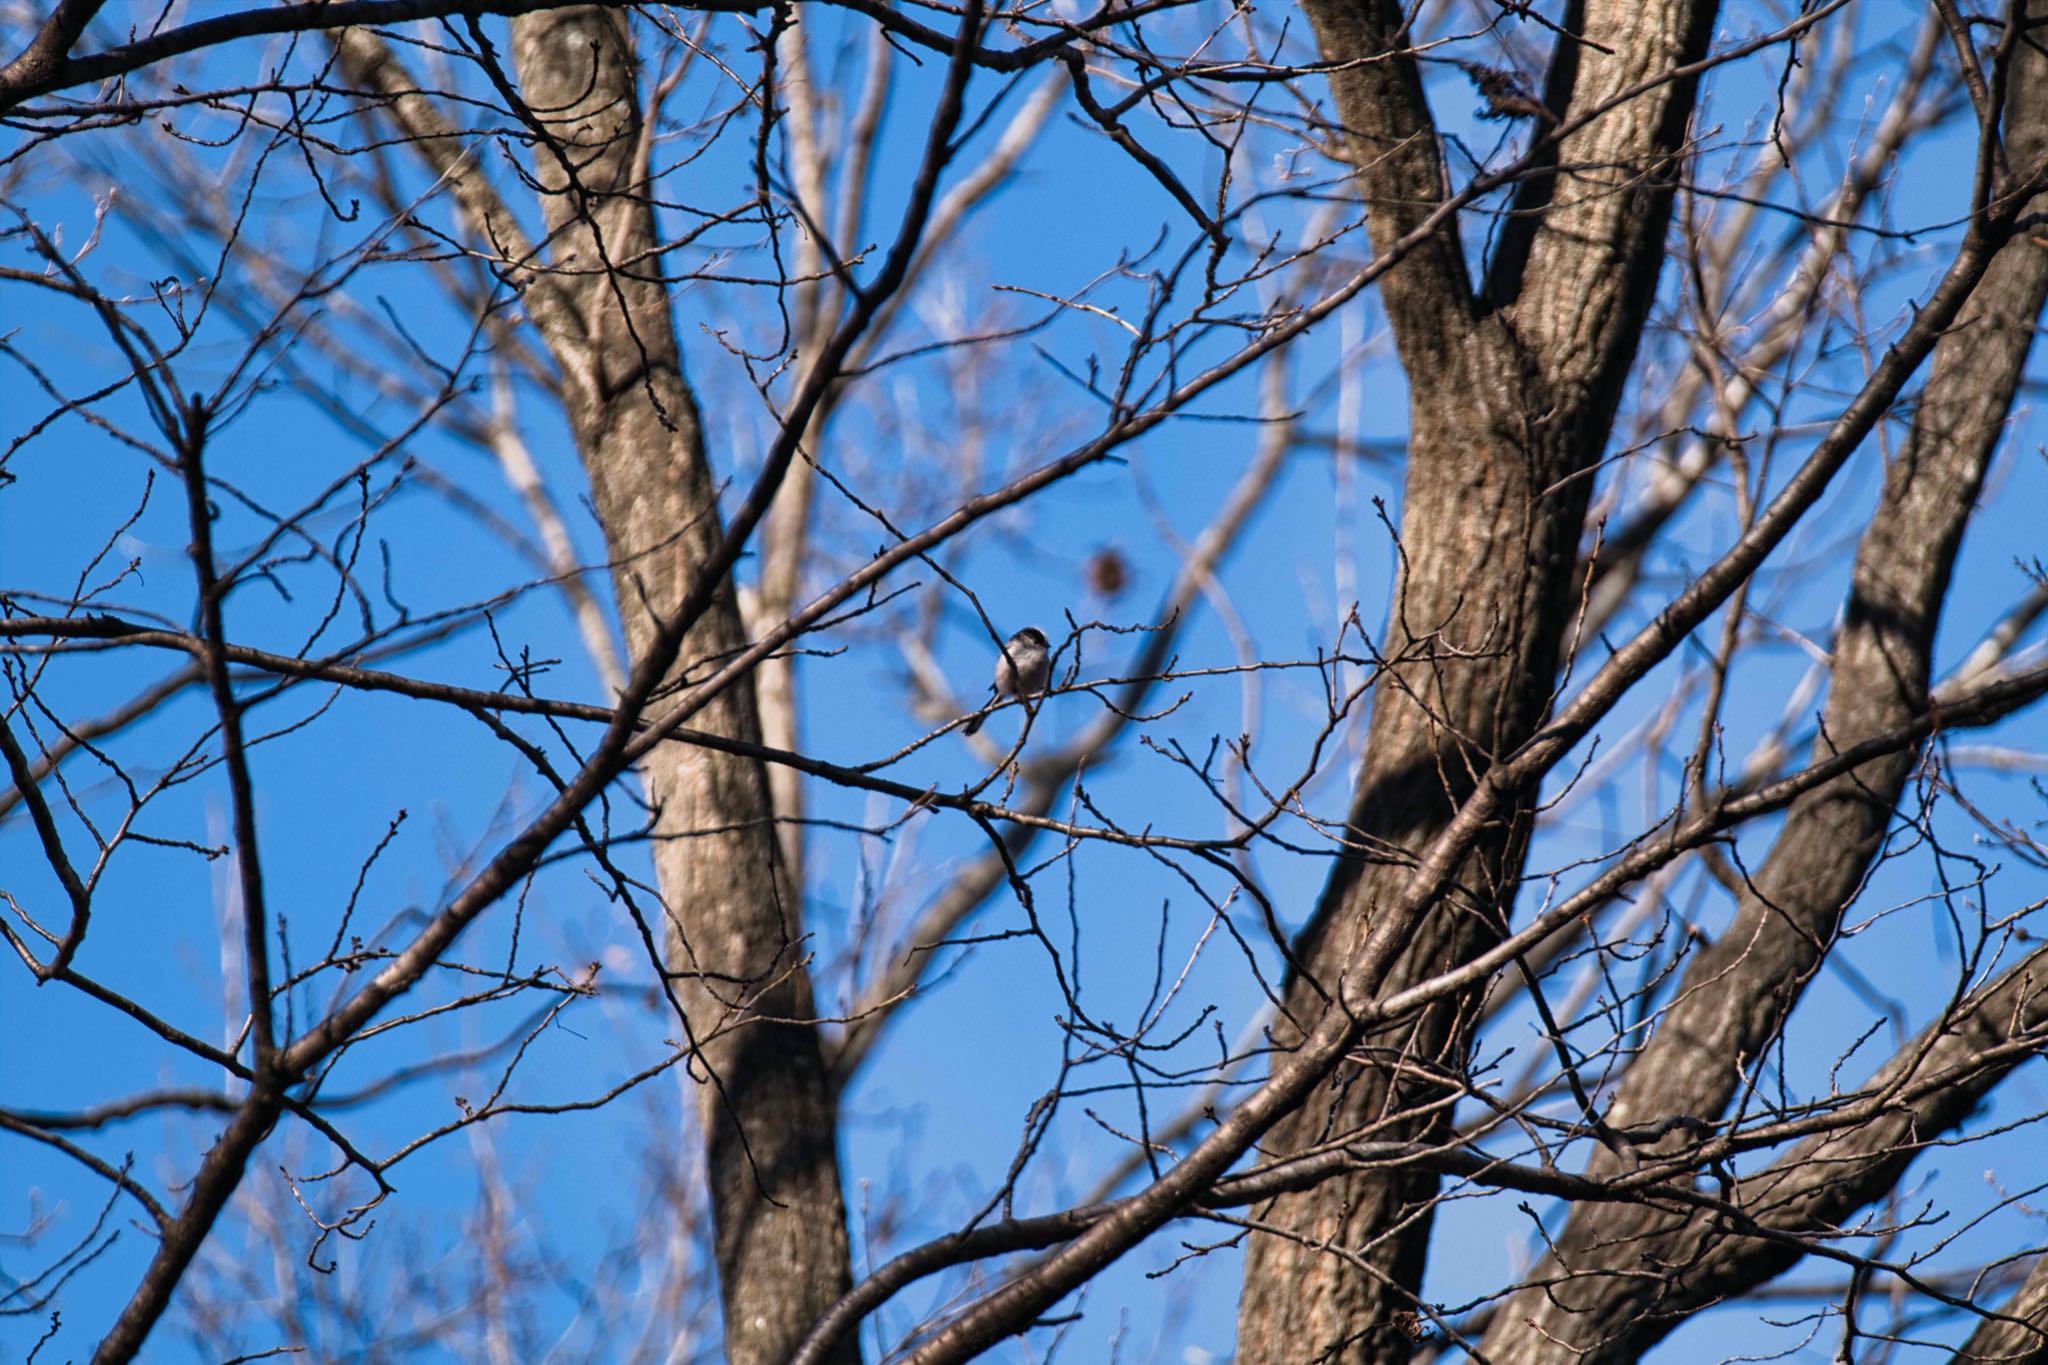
{"x": 974, "y": 721}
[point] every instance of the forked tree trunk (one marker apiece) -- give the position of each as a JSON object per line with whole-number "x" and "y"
{"x": 1511, "y": 397}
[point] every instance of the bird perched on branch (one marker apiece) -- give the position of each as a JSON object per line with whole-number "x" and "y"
{"x": 1023, "y": 671}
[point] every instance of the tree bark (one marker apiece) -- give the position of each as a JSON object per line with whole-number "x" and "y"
{"x": 1808, "y": 1195}
{"x": 2002, "y": 1341}
{"x": 735, "y": 940}
{"x": 1510, "y": 403}
{"x": 1737, "y": 993}
{"x": 735, "y": 946}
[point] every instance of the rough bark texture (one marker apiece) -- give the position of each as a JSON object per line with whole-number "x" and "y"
{"x": 1508, "y": 401}
{"x": 2003, "y": 1341}
{"x": 732, "y": 921}
{"x": 1737, "y": 992}
{"x": 734, "y": 937}
{"x": 1814, "y": 1189}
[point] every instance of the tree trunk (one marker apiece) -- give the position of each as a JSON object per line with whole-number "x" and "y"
{"x": 734, "y": 940}
{"x": 2004, "y": 1341}
{"x": 1592, "y": 1301}
{"x": 734, "y": 937}
{"x": 1511, "y": 399}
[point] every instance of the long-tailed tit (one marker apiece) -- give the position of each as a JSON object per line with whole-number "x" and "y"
{"x": 1023, "y": 671}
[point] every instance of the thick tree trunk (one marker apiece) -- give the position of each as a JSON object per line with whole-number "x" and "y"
{"x": 1476, "y": 616}
{"x": 1510, "y": 400}
{"x": 735, "y": 941}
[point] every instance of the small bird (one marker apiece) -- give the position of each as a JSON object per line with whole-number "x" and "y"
{"x": 1022, "y": 671}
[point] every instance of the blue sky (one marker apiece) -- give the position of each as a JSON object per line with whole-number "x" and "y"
{"x": 934, "y": 1121}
